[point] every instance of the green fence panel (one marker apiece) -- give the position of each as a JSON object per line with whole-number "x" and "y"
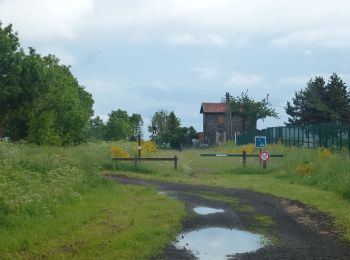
{"x": 321, "y": 135}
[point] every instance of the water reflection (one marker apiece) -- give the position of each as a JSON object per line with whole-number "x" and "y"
{"x": 207, "y": 210}
{"x": 217, "y": 243}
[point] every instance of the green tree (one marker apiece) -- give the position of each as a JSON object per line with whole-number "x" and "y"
{"x": 295, "y": 110}
{"x": 166, "y": 128}
{"x": 320, "y": 103}
{"x": 97, "y": 128}
{"x": 173, "y": 123}
{"x": 250, "y": 110}
{"x": 191, "y": 134}
{"x": 136, "y": 124}
{"x": 66, "y": 104}
{"x": 337, "y": 100}
{"x": 179, "y": 138}
{"x": 40, "y": 99}
{"x": 118, "y": 126}
{"x": 10, "y": 69}
{"x": 158, "y": 127}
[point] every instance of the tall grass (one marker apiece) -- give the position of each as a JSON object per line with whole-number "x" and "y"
{"x": 321, "y": 168}
{"x": 55, "y": 204}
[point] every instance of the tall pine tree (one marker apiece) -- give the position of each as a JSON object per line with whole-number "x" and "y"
{"x": 320, "y": 103}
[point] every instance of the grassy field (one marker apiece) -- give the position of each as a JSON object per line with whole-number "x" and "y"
{"x": 317, "y": 177}
{"x": 54, "y": 204}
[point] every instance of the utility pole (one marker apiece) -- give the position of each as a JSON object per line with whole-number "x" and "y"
{"x": 228, "y": 117}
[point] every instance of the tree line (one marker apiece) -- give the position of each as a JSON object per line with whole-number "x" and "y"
{"x": 119, "y": 126}
{"x": 165, "y": 128}
{"x": 40, "y": 99}
{"x": 42, "y": 102}
{"x": 320, "y": 102}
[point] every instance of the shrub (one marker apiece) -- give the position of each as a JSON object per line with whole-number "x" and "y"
{"x": 119, "y": 152}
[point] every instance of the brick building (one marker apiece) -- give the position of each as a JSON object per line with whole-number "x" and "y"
{"x": 219, "y": 125}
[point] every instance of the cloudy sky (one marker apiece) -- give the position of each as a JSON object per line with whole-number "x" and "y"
{"x": 147, "y": 55}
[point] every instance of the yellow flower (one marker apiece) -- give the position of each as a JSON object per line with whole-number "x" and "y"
{"x": 119, "y": 152}
{"x": 148, "y": 146}
{"x": 324, "y": 153}
{"x": 304, "y": 169}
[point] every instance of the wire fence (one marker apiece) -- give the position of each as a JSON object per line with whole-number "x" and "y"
{"x": 324, "y": 135}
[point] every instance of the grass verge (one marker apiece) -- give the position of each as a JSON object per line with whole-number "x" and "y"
{"x": 54, "y": 204}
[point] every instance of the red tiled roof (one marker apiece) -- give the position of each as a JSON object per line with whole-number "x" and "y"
{"x": 213, "y": 108}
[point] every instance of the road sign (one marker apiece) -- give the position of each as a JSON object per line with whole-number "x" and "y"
{"x": 260, "y": 141}
{"x": 264, "y": 156}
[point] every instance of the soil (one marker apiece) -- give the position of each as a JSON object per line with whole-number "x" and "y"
{"x": 296, "y": 230}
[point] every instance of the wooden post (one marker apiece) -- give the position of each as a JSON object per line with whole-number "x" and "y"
{"x": 139, "y": 147}
{"x": 260, "y": 151}
{"x": 244, "y": 158}
{"x": 264, "y": 164}
{"x": 175, "y": 163}
{"x": 135, "y": 161}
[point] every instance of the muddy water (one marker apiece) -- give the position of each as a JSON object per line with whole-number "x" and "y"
{"x": 217, "y": 243}
{"x": 207, "y": 210}
{"x": 247, "y": 210}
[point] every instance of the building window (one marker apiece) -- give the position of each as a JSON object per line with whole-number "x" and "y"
{"x": 220, "y": 119}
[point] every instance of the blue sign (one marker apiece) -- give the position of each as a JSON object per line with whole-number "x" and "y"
{"x": 260, "y": 141}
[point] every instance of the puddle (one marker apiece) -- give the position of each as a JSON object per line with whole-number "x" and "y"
{"x": 217, "y": 243}
{"x": 207, "y": 210}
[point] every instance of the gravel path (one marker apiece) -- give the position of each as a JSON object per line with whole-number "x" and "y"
{"x": 297, "y": 231}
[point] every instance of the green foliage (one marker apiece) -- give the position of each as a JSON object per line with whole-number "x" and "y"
{"x": 159, "y": 126}
{"x": 118, "y": 126}
{"x": 10, "y": 69}
{"x": 97, "y": 129}
{"x": 54, "y": 204}
{"x": 250, "y": 110}
{"x": 40, "y": 100}
{"x": 320, "y": 103}
{"x": 136, "y": 124}
{"x": 166, "y": 128}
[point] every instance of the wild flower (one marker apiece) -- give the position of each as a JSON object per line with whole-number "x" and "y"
{"x": 304, "y": 169}
{"x": 324, "y": 153}
{"x": 119, "y": 152}
{"x": 148, "y": 146}
{"x": 249, "y": 148}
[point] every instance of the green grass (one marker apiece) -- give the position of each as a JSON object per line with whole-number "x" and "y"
{"x": 54, "y": 204}
{"x": 316, "y": 177}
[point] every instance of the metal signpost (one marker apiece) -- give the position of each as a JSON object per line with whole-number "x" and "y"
{"x": 260, "y": 142}
{"x": 264, "y": 157}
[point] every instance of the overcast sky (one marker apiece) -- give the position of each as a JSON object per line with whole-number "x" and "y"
{"x": 147, "y": 55}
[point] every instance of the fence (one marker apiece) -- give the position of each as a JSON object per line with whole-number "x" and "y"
{"x": 139, "y": 159}
{"x": 324, "y": 135}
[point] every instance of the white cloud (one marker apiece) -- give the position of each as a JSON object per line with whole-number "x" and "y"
{"x": 188, "y": 39}
{"x": 45, "y": 20}
{"x": 307, "y": 52}
{"x": 222, "y": 21}
{"x": 158, "y": 84}
{"x": 184, "y": 22}
{"x": 246, "y": 80}
{"x": 207, "y": 72}
{"x": 333, "y": 37}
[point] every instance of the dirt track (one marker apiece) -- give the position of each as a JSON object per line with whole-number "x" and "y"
{"x": 297, "y": 231}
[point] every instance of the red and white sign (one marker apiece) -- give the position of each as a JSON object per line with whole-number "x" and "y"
{"x": 264, "y": 156}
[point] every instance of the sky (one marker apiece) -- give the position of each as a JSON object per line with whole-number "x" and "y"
{"x": 146, "y": 55}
